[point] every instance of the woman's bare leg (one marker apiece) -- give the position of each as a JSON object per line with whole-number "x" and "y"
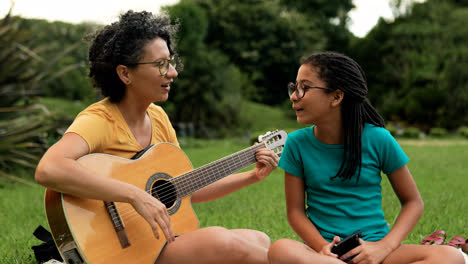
{"x": 424, "y": 254}
{"x": 256, "y": 237}
{"x": 217, "y": 245}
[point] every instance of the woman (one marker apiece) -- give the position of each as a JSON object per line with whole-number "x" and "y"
{"x": 133, "y": 62}
{"x": 337, "y": 163}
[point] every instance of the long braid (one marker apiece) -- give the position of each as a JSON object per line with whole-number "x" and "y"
{"x": 341, "y": 72}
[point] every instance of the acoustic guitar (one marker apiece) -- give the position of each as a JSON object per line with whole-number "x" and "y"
{"x": 93, "y": 231}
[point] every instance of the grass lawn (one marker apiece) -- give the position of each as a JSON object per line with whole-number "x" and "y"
{"x": 438, "y": 167}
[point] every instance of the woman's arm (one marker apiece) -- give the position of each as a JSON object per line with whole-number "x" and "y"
{"x": 297, "y": 217}
{"x": 267, "y": 161}
{"x": 59, "y": 170}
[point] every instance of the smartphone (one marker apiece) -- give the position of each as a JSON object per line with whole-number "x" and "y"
{"x": 347, "y": 244}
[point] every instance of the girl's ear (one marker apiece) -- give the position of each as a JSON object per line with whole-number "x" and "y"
{"x": 123, "y": 73}
{"x": 338, "y": 96}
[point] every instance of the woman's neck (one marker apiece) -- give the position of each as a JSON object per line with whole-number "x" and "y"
{"x": 133, "y": 112}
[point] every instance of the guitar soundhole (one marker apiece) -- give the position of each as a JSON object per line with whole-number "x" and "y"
{"x": 165, "y": 192}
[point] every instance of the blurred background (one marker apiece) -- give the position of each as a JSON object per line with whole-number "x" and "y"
{"x": 238, "y": 57}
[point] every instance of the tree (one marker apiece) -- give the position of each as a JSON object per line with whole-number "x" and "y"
{"x": 264, "y": 40}
{"x": 207, "y": 94}
{"x": 414, "y": 65}
{"x": 331, "y": 16}
{"x": 55, "y": 38}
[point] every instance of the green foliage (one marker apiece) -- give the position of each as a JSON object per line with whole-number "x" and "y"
{"x": 264, "y": 40}
{"x": 463, "y": 131}
{"x": 262, "y": 118}
{"x": 208, "y": 96}
{"x": 438, "y": 132}
{"x": 411, "y": 132}
{"x": 63, "y": 108}
{"x": 330, "y": 16}
{"x": 327, "y": 8}
{"x": 392, "y": 129}
{"x": 24, "y": 125}
{"x": 249, "y": 49}
{"x": 416, "y": 64}
{"x": 65, "y": 54}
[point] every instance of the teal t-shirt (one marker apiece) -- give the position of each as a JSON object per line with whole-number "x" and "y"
{"x": 338, "y": 207}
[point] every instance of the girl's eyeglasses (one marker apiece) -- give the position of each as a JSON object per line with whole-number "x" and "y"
{"x": 300, "y": 89}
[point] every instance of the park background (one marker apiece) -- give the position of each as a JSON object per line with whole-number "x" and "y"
{"x": 238, "y": 58}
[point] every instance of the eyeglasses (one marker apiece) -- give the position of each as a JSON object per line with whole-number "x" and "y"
{"x": 162, "y": 64}
{"x": 300, "y": 89}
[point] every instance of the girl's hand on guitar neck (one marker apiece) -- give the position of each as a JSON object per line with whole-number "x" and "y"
{"x": 267, "y": 161}
{"x": 154, "y": 212}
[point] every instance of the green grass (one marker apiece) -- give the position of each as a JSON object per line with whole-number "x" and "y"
{"x": 21, "y": 211}
{"x": 263, "y": 118}
{"x": 436, "y": 164}
{"x": 438, "y": 168}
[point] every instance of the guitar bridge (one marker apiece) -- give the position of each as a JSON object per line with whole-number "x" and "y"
{"x": 117, "y": 223}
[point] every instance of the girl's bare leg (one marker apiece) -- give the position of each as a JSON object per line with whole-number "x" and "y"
{"x": 424, "y": 254}
{"x": 285, "y": 251}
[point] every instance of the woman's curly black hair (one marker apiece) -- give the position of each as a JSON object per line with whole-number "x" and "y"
{"x": 341, "y": 72}
{"x": 122, "y": 43}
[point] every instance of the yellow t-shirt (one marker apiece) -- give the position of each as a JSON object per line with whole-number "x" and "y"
{"x": 105, "y": 130}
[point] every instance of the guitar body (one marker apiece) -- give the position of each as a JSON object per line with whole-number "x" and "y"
{"x": 82, "y": 228}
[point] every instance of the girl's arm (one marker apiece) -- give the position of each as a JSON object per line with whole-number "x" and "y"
{"x": 412, "y": 206}
{"x": 267, "y": 161}
{"x": 411, "y": 210}
{"x": 297, "y": 217}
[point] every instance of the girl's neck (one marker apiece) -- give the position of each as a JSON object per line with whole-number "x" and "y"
{"x": 330, "y": 133}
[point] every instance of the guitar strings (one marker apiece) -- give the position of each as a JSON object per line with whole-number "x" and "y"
{"x": 166, "y": 189}
{"x": 184, "y": 178}
{"x": 166, "y": 192}
{"x": 128, "y": 213}
{"x": 206, "y": 167}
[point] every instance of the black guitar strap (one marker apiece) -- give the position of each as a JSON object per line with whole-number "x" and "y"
{"x": 47, "y": 250}
{"x": 140, "y": 153}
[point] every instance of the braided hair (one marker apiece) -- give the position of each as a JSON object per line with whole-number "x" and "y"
{"x": 122, "y": 43}
{"x": 341, "y": 72}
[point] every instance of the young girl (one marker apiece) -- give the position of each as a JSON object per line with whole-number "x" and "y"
{"x": 337, "y": 162}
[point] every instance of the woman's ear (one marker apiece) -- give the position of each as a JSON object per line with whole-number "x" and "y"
{"x": 123, "y": 73}
{"x": 338, "y": 96}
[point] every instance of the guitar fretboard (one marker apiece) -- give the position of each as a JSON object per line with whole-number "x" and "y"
{"x": 192, "y": 181}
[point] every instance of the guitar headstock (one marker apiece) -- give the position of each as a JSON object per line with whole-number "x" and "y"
{"x": 274, "y": 140}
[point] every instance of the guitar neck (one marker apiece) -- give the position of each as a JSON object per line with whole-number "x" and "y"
{"x": 193, "y": 181}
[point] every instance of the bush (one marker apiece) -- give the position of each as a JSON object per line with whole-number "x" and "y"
{"x": 438, "y": 132}
{"x": 392, "y": 129}
{"x": 411, "y": 132}
{"x": 463, "y": 131}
